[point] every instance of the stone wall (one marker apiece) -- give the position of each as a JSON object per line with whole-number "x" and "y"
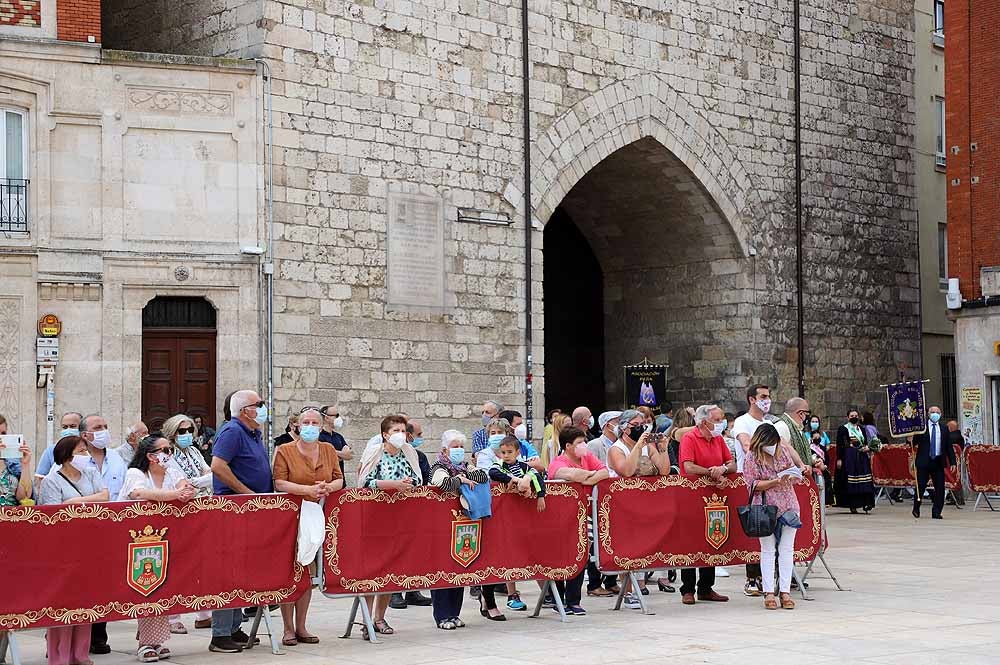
{"x": 375, "y": 96}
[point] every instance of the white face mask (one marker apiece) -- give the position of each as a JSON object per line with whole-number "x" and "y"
{"x": 769, "y": 449}
{"x": 101, "y": 439}
{"x": 80, "y": 462}
{"x": 521, "y": 431}
{"x": 398, "y": 439}
{"x": 338, "y": 422}
{"x": 764, "y": 405}
{"x": 719, "y": 428}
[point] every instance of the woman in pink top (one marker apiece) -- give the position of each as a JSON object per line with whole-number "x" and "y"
{"x": 765, "y": 460}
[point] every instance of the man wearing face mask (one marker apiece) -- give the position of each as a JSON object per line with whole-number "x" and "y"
{"x": 240, "y": 465}
{"x": 609, "y": 434}
{"x": 583, "y": 419}
{"x": 69, "y": 425}
{"x": 703, "y": 452}
{"x": 333, "y": 421}
{"x": 490, "y": 411}
{"x": 934, "y": 451}
{"x": 758, "y": 399}
{"x": 135, "y": 434}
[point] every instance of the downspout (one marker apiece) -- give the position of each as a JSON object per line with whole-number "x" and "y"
{"x": 799, "y": 283}
{"x": 267, "y": 265}
{"x": 526, "y": 94}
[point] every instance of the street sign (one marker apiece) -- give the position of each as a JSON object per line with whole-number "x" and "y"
{"x": 49, "y": 326}
{"x": 47, "y": 351}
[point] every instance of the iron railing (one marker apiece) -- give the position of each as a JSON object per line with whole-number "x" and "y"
{"x": 13, "y": 205}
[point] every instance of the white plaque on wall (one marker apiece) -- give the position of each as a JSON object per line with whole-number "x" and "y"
{"x": 415, "y": 251}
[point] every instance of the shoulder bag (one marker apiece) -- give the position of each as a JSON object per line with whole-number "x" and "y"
{"x": 758, "y": 520}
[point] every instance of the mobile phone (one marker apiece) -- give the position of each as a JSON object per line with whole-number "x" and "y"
{"x": 12, "y": 443}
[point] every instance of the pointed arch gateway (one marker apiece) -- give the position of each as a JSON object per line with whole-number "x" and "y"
{"x": 634, "y": 183}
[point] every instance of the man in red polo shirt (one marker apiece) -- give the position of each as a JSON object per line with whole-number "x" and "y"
{"x": 704, "y": 452}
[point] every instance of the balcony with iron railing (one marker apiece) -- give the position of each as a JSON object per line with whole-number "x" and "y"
{"x": 13, "y": 206}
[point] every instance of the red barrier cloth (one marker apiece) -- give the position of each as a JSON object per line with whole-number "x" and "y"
{"x": 983, "y": 463}
{"x": 892, "y": 466}
{"x": 673, "y": 522}
{"x": 388, "y": 541}
{"x": 72, "y": 564}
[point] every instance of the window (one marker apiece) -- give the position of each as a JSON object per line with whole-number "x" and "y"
{"x": 949, "y": 386}
{"x": 939, "y": 152}
{"x": 943, "y": 255}
{"x": 13, "y": 172}
{"x": 937, "y": 37}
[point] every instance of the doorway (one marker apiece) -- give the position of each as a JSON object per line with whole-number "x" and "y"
{"x": 178, "y": 360}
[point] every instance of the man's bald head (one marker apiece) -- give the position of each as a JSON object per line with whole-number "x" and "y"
{"x": 797, "y": 409}
{"x": 581, "y": 417}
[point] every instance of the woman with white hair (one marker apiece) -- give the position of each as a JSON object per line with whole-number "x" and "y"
{"x": 450, "y": 472}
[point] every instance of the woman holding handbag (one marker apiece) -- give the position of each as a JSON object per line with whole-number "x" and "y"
{"x": 761, "y": 469}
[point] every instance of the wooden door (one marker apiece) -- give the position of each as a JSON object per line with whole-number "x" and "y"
{"x": 178, "y": 375}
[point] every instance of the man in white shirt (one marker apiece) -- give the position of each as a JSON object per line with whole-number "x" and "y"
{"x": 599, "y": 447}
{"x": 758, "y": 405}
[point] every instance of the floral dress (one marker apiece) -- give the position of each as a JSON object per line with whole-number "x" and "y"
{"x": 391, "y": 467}
{"x": 8, "y": 486}
{"x": 756, "y": 469}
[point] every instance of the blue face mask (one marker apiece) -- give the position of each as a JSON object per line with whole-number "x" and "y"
{"x": 814, "y": 425}
{"x": 309, "y": 433}
{"x": 495, "y": 440}
{"x": 261, "y": 417}
{"x": 69, "y": 431}
{"x": 456, "y": 455}
{"x": 935, "y": 417}
{"x": 185, "y": 440}
{"x": 417, "y": 442}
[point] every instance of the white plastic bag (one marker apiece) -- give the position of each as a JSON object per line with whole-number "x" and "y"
{"x": 310, "y": 532}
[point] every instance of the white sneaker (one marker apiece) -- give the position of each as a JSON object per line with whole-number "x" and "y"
{"x": 632, "y": 602}
{"x": 721, "y": 572}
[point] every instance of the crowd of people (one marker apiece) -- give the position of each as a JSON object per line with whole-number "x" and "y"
{"x": 185, "y": 459}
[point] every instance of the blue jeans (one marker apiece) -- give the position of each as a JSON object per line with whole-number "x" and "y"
{"x": 226, "y": 622}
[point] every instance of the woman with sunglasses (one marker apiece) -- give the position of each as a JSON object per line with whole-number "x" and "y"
{"x": 153, "y": 476}
{"x": 181, "y": 431}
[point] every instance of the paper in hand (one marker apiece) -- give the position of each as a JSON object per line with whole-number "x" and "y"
{"x": 793, "y": 471}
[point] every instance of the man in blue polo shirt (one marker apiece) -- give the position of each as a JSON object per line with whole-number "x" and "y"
{"x": 239, "y": 466}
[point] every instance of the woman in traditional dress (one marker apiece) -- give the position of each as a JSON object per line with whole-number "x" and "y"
{"x": 853, "y": 478}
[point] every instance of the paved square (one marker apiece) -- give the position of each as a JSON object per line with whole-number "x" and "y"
{"x": 919, "y": 592}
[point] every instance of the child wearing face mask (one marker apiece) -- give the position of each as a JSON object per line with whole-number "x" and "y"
{"x": 517, "y": 475}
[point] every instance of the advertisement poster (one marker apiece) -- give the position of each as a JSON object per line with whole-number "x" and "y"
{"x": 972, "y": 415}
{"x": 645, "y": 385}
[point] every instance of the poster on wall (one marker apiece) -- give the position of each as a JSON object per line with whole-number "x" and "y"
{"x": 645, "y": 385}
{"x": 972, "y": 415}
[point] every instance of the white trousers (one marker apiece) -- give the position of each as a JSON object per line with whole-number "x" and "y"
{"x": 785, "y": 561}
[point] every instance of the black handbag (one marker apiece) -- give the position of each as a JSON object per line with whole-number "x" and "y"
{"x": 758, "y": 520}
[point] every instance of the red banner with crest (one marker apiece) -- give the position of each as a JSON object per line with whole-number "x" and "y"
{"x": 381, "y": 541}
{"x": 983, "y": 464}
{"x": 82, "y": 563}
{"x": 892, "y": 466}
{"x": 687, "y": 523}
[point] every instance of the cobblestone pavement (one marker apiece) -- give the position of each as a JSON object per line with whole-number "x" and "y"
{"x": 918, "y": 592}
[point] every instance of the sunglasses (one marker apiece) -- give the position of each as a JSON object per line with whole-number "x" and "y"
{"x": 311, "y": 408}
{"x": 185, "y": 430}
{"x": 168, "y": 450}
{"x": 255, "y": 406}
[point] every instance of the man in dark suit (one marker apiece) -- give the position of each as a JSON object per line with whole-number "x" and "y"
{"x": 933, "y": 451}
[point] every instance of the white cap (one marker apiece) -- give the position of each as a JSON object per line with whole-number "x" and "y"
{"x": 607, "y": 417}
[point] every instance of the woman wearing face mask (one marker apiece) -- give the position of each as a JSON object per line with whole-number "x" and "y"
{"x": 765, "y": 460}
{"x": 390, "y": 466}
{"x": 308, "y": 468}
{"x": 853, "y": 478}
{"x": 15, "y": 477}
{"x": 71, "y": 480}
{"x": 181, "y": 431}
{"x": 550, "y": 448}
{"x": 632, "y": 454}
{"x": 450, "y": 472}
{"x": 819, "y": 443}
{"x": 153, "y": 476}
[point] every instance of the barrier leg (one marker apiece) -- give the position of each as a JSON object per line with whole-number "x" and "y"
{"x": 3, "y": 647}
{"x": 802, "y": 583}
{"x": 621, "y": 596}
{"x": 264, "y": 613}
{"x": 366, "y": 620}
{"x": 550, "y": 587}
{"x": 881, "y": 493}
{"x": 638, "y": 594}
{"x": 15, "y": 652}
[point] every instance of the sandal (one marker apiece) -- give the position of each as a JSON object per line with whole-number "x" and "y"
{"x": 289, "y": 641}
{"x": 382, "y": 627}
{"x": 769, "y": 602}
{"x": 447, "y": 624}
{"x": 163, "y": 652}
{"x": 307, "y": 639}
{"x": 177, "y": 628}
{"x": 786, "y": 602}
{"x": 147, "y": 655}
{"x": 458, "y": 622}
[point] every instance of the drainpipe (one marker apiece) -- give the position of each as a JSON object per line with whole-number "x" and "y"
{"x": 267, "y": 264}
{"x": 526, "y": 93}
{"x": 799, "y": 283}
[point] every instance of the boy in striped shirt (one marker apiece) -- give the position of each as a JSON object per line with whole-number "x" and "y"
{"x": 517, "y": 475}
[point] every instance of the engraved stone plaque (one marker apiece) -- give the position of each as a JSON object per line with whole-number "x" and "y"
{"x": 415, "y": 248}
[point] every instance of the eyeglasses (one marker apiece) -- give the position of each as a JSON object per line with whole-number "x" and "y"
{"x": 185, "y": 430}
{"x": 168, "y": 450}
{"x": 255, "y": 406}
{"x": 311, "y": 408}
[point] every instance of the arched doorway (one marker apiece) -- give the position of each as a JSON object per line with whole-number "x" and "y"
{"x": 178, "y": 359}
{"x": 668, "y": 272}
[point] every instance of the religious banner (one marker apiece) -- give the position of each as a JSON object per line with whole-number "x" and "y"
{"x": 972, "y": 415}
{"x": 983, "y": 465}
{"x": 82, "y": 563}
{"x": 387, "y": 541}
{"x": 645, "y": 385}
{"x": 692, "y": 524}
{"x": 907, "y": 408}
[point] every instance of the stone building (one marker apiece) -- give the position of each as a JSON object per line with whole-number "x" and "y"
{"x": 128, "y": 186}
{"x": 662, "y": 188}
{"x": 972, "y": 79}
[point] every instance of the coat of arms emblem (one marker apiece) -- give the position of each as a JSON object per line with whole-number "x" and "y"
{"x": 466, "y": 540}
{"x": 147, "y": 559}
{"x": 716, "y": 520}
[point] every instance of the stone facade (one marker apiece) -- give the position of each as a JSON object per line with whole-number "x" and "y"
{"x": 138, "y": 165}
{"x": 681, "y": 104}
